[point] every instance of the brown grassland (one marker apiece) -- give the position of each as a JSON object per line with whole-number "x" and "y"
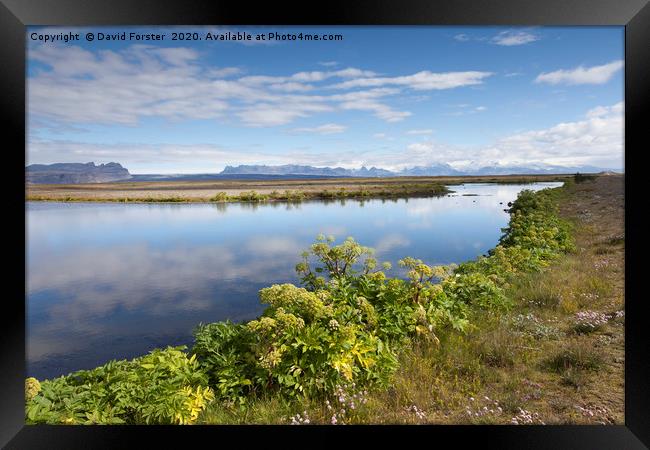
{"x": 263, "y": 190}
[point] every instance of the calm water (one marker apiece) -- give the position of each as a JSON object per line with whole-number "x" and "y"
{"x": 113, "y": 281}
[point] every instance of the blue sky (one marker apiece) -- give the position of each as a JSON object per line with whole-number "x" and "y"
{"x": 391, "y": 97}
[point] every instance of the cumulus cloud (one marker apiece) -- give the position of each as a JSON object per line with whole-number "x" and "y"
{"x": 78, "y": 86}
{"x": 581, "y": 75}
{"x": 595, "y": 139}
{"x": 514, "y": 37}
{"x": 598, "y": 137}
{"x": 369, "y": 101}
{"x": 224, "y": 72}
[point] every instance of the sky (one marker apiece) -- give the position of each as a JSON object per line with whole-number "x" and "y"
{"x": 383, "y": 96}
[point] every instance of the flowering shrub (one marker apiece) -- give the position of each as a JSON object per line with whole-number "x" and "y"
{"x": 534, "y": 327}
{"x": 32, "y": 388}
{"x": 476, "y": 289}
{"x": 343, "y": 327}
{"x": 318, "y": 342}
{"x": 503, "y": 263}
{"x": 479, "y": 413}
{"x": 598, "y": 414}
{"x": 345, "y": 401}
{"x": 305, "y": 343}
{"x": 525, "y": 417}
{"x": 617, "y": 315}
{"x": 589, "y": 321}
{"x": 534, "y": 225}
{"x": 300, "y": 419}
{"x": 420, "y": 414}
{"x": 222, "y": 348}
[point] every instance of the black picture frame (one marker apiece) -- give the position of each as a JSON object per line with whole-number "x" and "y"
{"x": 15, "y": 15}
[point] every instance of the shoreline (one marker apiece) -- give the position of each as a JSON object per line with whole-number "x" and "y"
{"x": 259, "y": 191}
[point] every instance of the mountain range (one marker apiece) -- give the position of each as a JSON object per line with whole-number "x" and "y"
{"x": 430, "y": 170}
{"x": 72, "y": 173}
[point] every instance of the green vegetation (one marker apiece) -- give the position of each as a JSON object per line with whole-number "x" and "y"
{"x": 350, "y": 345}
{"x": 163, "y": 387}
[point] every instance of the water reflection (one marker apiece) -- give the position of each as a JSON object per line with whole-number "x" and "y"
{"x": 111, "y": 281}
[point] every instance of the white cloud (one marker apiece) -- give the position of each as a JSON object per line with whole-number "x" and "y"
{"x": 506, "y": 38}
{"x": 328, "y": 128}
{"x": 224, "y": 72}
{"x": 581, "y": 75}
{"x": 423, "y": 131}
{"x": 291, "y": 87}
{"x": 260, "y": 115}
{"x": 175, "y": 56}
{"x": 368, "y": 101}
{"x": 514, "y": 37}
{"x": 123, "y": 87}
{"x": 313, "y": 76}
{"x": 595, "y": 139}
{"x": 600, "y": 111}
{"x": 328, "y": 63}
{"x": 424, "y": 80}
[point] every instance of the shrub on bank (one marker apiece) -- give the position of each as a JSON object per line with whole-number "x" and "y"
{"x": 163, "y": 387}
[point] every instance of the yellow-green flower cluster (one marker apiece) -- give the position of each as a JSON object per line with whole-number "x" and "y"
{"x": 298, "y": 300}
{"x": 32, "y": 388}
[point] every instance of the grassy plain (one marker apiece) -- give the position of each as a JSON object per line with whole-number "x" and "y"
{"x": 264, "y": 190}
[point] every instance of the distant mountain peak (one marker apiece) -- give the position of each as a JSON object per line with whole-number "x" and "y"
{"x": 72, "y": 173}
{"x": 433, "y": 169}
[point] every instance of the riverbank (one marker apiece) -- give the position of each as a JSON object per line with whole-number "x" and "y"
{"x": 522, "y": 329}
{"x": 265, "y": 190}
{"x": 557, "y": 357}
